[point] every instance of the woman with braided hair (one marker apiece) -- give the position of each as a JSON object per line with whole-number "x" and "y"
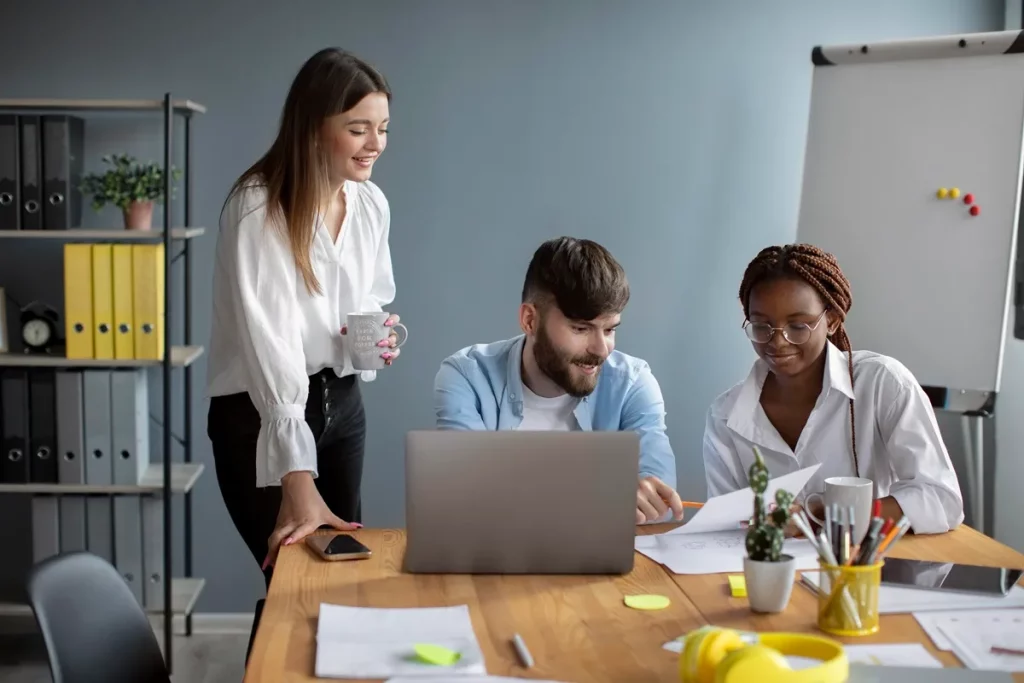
{"x": 810, "y": 398}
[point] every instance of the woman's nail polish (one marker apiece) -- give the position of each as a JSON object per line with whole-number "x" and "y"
{"x": 288, "y": 541}
{"x": 357, "y": 525}
{"x": 265, "y": 563}
{"x": 386, "y": 356}
{"x": 383, "y": 342}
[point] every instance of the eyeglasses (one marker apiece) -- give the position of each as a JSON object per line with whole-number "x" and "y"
{"x": 795, "y": 333}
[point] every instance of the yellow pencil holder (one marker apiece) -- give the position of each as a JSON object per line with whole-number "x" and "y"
{"x": 848, "y": 599}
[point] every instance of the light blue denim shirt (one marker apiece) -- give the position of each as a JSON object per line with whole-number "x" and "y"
{"x": 481, "y": 388}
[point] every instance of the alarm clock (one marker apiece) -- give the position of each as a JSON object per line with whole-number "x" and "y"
{"x": 39, "y": 328}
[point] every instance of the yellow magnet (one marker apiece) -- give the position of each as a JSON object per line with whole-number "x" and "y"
{"x": 954, "y": 192}
{"x": 647, "y": 602}
{"x": 942, "y": 193}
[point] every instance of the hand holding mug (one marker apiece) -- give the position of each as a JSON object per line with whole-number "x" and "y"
{"x": 374, "y": 339}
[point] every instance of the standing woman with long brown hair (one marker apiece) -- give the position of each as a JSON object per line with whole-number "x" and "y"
{"x": 303, "y": 242}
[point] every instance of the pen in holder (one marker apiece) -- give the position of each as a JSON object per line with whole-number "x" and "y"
{"x": 848, "y": 599}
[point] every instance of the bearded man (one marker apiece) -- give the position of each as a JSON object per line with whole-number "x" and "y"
{"x": 563, "y": 372}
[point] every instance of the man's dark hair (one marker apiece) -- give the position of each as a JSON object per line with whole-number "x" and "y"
{"x": 579, "y": 276}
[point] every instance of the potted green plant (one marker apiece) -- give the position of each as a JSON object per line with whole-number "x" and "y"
{"x": 769, "y": 573}
{"x": 130, "y": 186}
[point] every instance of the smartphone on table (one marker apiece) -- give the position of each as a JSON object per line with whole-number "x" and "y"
{"x": 338, "y": 547}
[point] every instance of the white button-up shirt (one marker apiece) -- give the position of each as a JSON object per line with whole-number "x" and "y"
{"x": 899, "y": 445}
{"x": 270, "y": 334}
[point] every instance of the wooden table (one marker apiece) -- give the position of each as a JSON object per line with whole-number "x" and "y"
{"x": 576, "y": 627}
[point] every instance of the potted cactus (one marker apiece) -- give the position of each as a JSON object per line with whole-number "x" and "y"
{"x": 769, "y": 573}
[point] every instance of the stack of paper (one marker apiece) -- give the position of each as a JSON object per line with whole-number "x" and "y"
{"x": 990, "y": 639}
{"x": 713, "y": 541}
{"x": 901, "y": 599}
{"x": 362, "y": 642}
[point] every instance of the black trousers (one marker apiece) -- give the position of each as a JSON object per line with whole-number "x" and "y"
{"x": 334, "y": 412}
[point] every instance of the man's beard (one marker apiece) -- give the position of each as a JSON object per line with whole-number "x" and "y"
{"x": 558, "y": 366}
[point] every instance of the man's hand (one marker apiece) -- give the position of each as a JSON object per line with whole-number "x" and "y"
{"x": 654, "y": 498}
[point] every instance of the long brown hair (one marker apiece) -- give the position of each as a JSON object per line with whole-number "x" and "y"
{"x": 820, "y": 270}
{"x": 294, "y": 170}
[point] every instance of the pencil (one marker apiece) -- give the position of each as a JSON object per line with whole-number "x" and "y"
{"x": 692, "y": 504}
{"x": 996, "y": 650}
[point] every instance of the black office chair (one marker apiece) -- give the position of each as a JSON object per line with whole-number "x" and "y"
{"x": 93, "y": 627}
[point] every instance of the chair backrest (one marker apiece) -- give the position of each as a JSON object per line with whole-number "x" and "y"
{"x": 94, "y": 628}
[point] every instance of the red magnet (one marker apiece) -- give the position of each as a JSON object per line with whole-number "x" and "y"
{"x": 975, "y": 210}
{"x": 968, "y": 199}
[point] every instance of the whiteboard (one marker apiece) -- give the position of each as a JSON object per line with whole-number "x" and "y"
{"x": 889, "y": 125}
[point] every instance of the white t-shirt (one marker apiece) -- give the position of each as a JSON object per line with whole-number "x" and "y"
{"x": 548, "y": 414}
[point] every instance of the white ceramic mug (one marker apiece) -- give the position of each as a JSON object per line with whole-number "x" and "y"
{"x": 365, "y": 331}
{"x": 845, "y": 492}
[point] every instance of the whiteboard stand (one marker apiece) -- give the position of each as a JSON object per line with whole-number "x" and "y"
{"x": 912, "y": 179}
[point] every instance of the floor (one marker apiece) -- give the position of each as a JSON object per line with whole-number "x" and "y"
{"x": 205, "y": 658}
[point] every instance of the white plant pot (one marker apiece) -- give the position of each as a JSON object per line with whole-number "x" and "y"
{"x": 769, "y": 584}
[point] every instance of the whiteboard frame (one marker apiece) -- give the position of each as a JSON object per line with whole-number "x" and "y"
{"x": 965, "y": 401}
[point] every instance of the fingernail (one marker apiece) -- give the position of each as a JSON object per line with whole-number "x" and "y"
{"x": 265, "y": 563}
{"x": 388, "y": 324}
{"x": 383, "y": 342}
{"x": 386, "y": 356}
{"x": 288, "y": 541}
{"x": 357, "y": 525}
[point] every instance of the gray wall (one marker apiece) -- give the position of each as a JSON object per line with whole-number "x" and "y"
{"x": 670, "y": 131}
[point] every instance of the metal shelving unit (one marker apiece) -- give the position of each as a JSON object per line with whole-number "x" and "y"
{"x": 166, "y": 478}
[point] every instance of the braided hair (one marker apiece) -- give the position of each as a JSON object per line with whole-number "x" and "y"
{"x": 818, "y": 269}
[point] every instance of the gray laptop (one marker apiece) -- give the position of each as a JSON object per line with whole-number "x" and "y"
{"x": 520, "y": 502}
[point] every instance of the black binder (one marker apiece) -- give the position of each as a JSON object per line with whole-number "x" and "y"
{"x": 63, "y": 151}
{"x": 42, "y": 431}
{"x": 14, "y": 457}
{"x": 10, "y": 173}
{"x": 31, "y": 173}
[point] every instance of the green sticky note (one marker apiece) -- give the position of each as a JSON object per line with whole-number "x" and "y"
{"x": 647, "y": 602}
{"x": 437, "y": 655}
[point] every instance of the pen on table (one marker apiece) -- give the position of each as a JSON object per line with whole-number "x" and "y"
{"x": 524, "y": 655}
{"x": 828, "y": 525}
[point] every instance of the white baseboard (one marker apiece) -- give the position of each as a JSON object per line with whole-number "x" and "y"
{"x": 203, "y": 623}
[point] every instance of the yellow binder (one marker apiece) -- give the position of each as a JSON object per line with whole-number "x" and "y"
{"x": 148, "y": 300}
{"x": 124, "y": 323}
{"x": 102, "y": 302}
{"x": 78, "y": 300}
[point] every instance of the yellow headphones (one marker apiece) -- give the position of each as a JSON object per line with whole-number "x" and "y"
{"x": 721, "y": 655}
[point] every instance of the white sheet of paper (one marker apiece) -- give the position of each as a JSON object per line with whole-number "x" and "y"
{"x": 971, "y": 635}
{"x": 364, "y": 642}
{"x": 728, "y": 511}
{"x": 713, "y": 552}
{"x": 892, "y": 654}
{"x": 902, "y": 600}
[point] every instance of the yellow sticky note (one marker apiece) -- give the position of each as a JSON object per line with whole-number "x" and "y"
{"x": 647, "y": 602}
{"x": 738, "y": 585}
{"x": 435, "y": 654}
